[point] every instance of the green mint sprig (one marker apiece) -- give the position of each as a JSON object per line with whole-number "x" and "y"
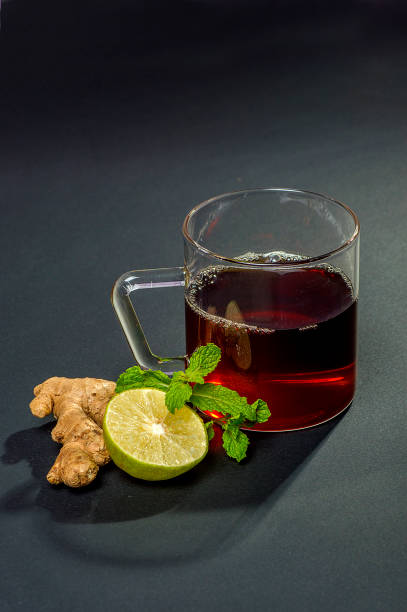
{"x": 234, "y": 408}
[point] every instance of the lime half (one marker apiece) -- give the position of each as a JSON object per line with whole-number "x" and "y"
{"x": 145, "y": 440}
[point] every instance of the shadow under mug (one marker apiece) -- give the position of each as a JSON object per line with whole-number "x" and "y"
{"x": 271, "y": 277}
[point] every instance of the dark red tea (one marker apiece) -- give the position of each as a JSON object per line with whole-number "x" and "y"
{"x": 287, "y": 336}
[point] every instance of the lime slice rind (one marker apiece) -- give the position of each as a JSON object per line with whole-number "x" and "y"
{"x": 147, "y": 441}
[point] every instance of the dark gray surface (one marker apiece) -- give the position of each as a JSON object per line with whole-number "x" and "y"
{"x": 115, "y": 120}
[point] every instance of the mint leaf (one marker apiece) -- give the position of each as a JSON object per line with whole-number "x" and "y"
{"x": 203, "y": 361}
{"x": 178, "y": 392}
{"x": 237, "y": 420}
{"x": 262, "y": 411}
{"x": 136, "y": 378}
{"x": 226, "y": 401}
{"x": 235, "y": 442}
{"x": 209, "y": 430}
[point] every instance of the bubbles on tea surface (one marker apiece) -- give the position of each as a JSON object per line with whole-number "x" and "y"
{"x": 306, "y": 327}
{"x": 199, "y": 300}
{"x": 203, "y": 279}
{"x": 271, "y": 257}
{"x": 199, "y": 283}
{"x": 231, "y": 326}
{"x": 334, "y": 272}
{"x": 282, "y": 257}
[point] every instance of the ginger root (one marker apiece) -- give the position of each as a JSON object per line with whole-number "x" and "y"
{"x": 79, "y": 405}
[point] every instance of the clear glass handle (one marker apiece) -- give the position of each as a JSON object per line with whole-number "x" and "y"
{"x": 123, "y": 287}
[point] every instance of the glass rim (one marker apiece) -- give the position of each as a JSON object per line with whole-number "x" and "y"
{"x": 200, "y": 247}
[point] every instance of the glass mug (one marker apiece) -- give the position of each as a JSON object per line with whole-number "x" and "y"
{"x": 271, "y": 277}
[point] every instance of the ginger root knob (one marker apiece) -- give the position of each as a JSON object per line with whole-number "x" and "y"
{"x": 79, "y": 405}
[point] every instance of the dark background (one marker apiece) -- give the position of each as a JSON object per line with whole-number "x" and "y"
{"x": 115, "y": 119}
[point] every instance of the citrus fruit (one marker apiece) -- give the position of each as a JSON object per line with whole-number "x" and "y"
{"x": 145, "y": 440}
